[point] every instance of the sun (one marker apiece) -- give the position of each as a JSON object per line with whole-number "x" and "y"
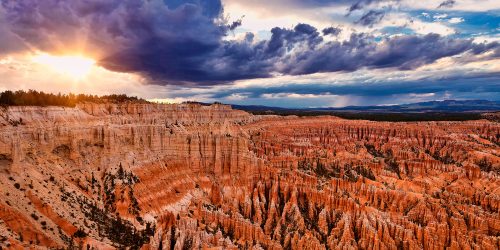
{"x": 76, "y": 67}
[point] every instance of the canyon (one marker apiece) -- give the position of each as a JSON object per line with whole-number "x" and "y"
{"x": 192, "y": 176}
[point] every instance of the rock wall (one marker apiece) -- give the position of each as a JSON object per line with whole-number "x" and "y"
{"x": 188, "y": 176}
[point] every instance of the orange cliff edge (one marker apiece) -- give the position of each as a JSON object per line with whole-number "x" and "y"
{"x": 187, "y": 176}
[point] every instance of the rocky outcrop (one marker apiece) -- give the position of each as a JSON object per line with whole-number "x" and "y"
{"x": 189, "y": 176}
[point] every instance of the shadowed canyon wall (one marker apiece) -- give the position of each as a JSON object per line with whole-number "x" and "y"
{"x": 187, "y": 176}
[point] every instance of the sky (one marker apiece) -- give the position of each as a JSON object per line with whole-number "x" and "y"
{"x": 286, "y": 53}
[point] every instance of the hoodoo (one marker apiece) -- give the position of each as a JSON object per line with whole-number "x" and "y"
{"x": 191, "y": 176}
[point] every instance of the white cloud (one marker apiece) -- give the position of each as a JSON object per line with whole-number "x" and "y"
{"x": 455, "y": 20}
{"x": 236, "y": 97}
{"x": 487, "y": 38}
{"x": 440, "y": 16}
{"x": 422, "y": 95}
{"x": 417, "y": 25}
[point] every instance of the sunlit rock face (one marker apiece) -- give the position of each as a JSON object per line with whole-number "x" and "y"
{"x": 190, "y": 176}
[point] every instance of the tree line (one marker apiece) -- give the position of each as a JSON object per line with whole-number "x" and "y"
{"x": 38, "y": 98}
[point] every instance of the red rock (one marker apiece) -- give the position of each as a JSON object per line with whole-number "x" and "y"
{"x": 191, "y": 176}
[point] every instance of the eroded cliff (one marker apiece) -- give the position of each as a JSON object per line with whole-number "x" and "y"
{"x": 189, "y": 176}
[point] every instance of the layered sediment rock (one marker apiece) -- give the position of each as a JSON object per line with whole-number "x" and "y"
{"x": 189, "y": 176}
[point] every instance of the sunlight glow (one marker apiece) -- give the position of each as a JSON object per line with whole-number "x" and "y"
{"x": 76, "y": 67}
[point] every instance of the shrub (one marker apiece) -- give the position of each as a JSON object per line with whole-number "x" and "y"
{"x": 80, "y": 234}
{"x": 34, "y": 216}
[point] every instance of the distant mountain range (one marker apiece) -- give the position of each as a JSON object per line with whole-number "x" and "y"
{"x": 447, "y": 106}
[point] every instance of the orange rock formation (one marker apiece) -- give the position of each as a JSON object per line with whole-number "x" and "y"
{"x": 188, "y": 176}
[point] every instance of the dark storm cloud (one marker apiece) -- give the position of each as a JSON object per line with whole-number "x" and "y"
{"x": 361, "y": 50}
{"x": 371, "y": 17}
{"x": 165, "y": 40}
{"x": 302, "y": 50}
{"x": 182, "y": 42}
{"x": 235, "y": 24}
{"x": 358, "y": 5}
{"x": 447, "y": 4}
{"x": 331, "y": 31}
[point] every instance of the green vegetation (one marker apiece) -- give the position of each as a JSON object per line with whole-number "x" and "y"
{"x": 121, "y": 232}
{"x": 329, "y": 171}
{"x": 485, "y": 165}
{"x": 34, "y": 216}
{"x": 38, "y": 98}
{"x": 393, "y": 166}
{"x": 80, "y": 234}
